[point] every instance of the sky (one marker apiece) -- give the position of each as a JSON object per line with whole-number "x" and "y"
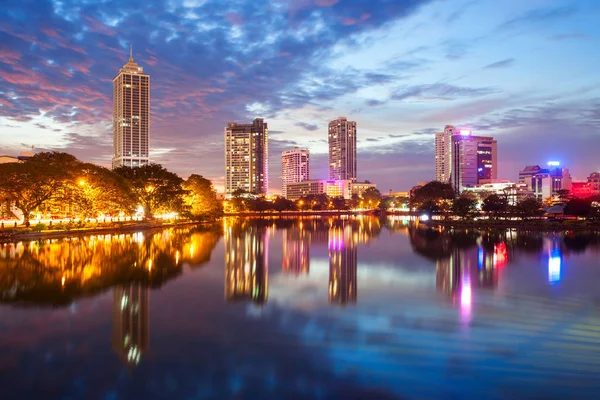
{"x": 525, "y": 72}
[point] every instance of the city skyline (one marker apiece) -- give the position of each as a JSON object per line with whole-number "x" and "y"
{"x": 388, "y": 66}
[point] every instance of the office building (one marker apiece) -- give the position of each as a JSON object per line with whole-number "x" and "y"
{"x": 546, "y": 182}
{"x": 246, "y": 157}
{"x": 295, "y": 167}
{"x": 342, "y": 150}
{"x": 130, "y": 322}
{"x": 463, "y": 159}
{"x": 589, "y": 188}
{"x": 340, "y": 188}
{"x": 131, "y": 116}
{"x": 358, "y": 188}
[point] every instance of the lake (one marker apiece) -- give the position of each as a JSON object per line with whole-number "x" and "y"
{"x": 324, "y": 308}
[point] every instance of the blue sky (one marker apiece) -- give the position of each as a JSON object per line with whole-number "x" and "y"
{"x": 525, "y": 72}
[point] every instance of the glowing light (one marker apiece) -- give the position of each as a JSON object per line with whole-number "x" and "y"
{"x": 424, "y": 217}
{"x": 81, "y": 182}
{"x": 554, "y": 266}
{"x": 62, "y": 281}
{"x": 465, "y": 132}
{"x": 553, "y": 163}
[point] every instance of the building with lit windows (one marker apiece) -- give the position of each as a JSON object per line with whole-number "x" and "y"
{"x": 343, "y": 258}
{"x": 130, "y": 322}
{"x": 295, "y": 167}
{"x": 341, "y": 188}
{"x": 342, "y": 150}
{"x": 546, "y": 182}
{"x": 246, "y": 157}
{"x": 463, "y": 159}
{"x": 131, "y": 116}
{"x": 358, "y": 188}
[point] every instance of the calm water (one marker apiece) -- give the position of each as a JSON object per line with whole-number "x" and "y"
{"x": 313, "y": 308}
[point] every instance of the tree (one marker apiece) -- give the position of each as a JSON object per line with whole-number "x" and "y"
{"x": 579, "y": 207}
{"x": 495, "y": 204}
{"x": 371, "y": 197}
{"x": 154, "y": 188}
{"x": 464, "y": 206}
{"x": 338, "y": 203}
{"x": 282, "y": 204}
{"x": 529, "y": 207}
{"x": 200, "y": 198}
{"x": 32, "y": 184}
{"x": 563, "y": 195}
{"x": 354, "y": 201}
{"x": 432, "y": 196}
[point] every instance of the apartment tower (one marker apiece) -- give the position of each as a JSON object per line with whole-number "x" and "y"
{"x": 246, "y": 157}
{"x": 295, "y": 167}
{"x": 131, "y": 116}
{"x": 342, "y": 150}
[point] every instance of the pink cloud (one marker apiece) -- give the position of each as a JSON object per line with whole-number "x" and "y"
{"x": 234, "y": 18}
{"x": 98, "y": 27}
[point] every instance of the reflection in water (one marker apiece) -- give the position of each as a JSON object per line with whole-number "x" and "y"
{"x": 246, "y": 261}
{"x": 130, "y": 322}
{"x": 296, "y": 250}
{"x": 342, "y": 265}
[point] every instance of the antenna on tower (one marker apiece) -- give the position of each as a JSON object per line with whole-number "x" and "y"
{"x": 130, "y": 52}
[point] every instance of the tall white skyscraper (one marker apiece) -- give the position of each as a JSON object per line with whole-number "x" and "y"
{"x": 131, "y": 116}
{"x": 342, "y": 150}
{"x": 295, "y": 167}
{"x": 247, "y": 157}
{"x": 463, "y": 159}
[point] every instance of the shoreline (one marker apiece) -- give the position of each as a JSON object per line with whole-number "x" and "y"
{"x": 546, "y": 226}
{"x": 13, "y": 237}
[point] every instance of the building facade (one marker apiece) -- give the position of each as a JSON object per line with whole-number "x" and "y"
{"x": 131, "y": 116}
{"x": 339, "y": 188}
{"x": 463, "y": 159}
{"x": 358, "y": 188}
{"x": 342, "y": 150}
{"x": 295, "y": 167}
{"x": 247, "y": 157}
{"x": 546, "y": 182}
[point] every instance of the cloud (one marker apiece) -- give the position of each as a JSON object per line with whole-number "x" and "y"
{"x": 307, "y": 126}
{"x": 441, "y": 91}
{"x": 500, "y": 64}
{"x": 543, "y": 15}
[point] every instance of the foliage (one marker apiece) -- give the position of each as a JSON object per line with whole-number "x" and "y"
{"x": 200, "y": 198}
{"x": 155, "y": 188}
{"x": 464, "y": 206}
{"x": 495, "y": 204}
{"x": 529, "y": 206}
{"x": 371, "y": 197}
{"x": 432, "y": 197}
{"x": 579, "y": 207}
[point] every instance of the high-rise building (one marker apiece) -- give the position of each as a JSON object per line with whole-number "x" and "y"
{"x": 342, "y": 150}
{"x": 131, "y": 116}
{"x": 130, "y": 322}
{"x": 295, "y": 167}
{"x": 463, "y": 159}
{"x": 246, "y": 157}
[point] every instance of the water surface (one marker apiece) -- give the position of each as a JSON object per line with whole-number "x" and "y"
{"x": 351, "y": 308}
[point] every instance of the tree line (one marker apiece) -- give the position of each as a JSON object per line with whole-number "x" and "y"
{"x": 440, "y": 198}
{"x": 58, "y": 183}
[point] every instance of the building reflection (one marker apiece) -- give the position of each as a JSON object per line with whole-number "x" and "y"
{"x": 130, "y": 333}
{"x": 246, "y": 261}
{"x": 343, "y": 259}
{"x": 296, "y": 250}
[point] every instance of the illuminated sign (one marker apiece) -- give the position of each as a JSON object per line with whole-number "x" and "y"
{"x": 465, "y": 132}
{"x": 553, "y": 163}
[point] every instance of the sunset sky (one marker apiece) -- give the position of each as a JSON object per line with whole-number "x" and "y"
{"x": 526, "y": 72}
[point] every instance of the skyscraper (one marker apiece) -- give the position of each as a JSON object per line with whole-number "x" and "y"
{"x": 342, "y": 149}
{"x": 463, "y": 159}
{"x": 131, "y": 116}
{"x": 246, "y": 157}
{"x": 295, "y": 167}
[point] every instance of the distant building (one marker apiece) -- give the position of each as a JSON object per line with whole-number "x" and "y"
{"x": 131, "y": 116}
{"x": 342, "y": 150}
{"x": 513, "y": 191}
{"x": 247, "y": 157}
{"x": 23, "y": 156}
{"x": 358, "y": 188}
{"x": 295, "y": 167}
{"x": 340, "y": 188}
{"x": 8, "y": 159}
{"x": 546, "y": 182}
{"x": 463, "y": 159}
{"x": 586, "y": 189}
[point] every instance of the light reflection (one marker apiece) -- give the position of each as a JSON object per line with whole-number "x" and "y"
{"x": 554, "y": 266}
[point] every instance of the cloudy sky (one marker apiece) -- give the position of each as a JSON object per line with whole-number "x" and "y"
{"x": 525, "y": 72}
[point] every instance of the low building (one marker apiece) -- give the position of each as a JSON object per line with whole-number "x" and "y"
{"x": 546, "y": 182}
{"x": 336, "y": 188}
{"x": 359, "y": 188}
{"x": 513, "y": 191}
{"x": 587, "y": 189}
